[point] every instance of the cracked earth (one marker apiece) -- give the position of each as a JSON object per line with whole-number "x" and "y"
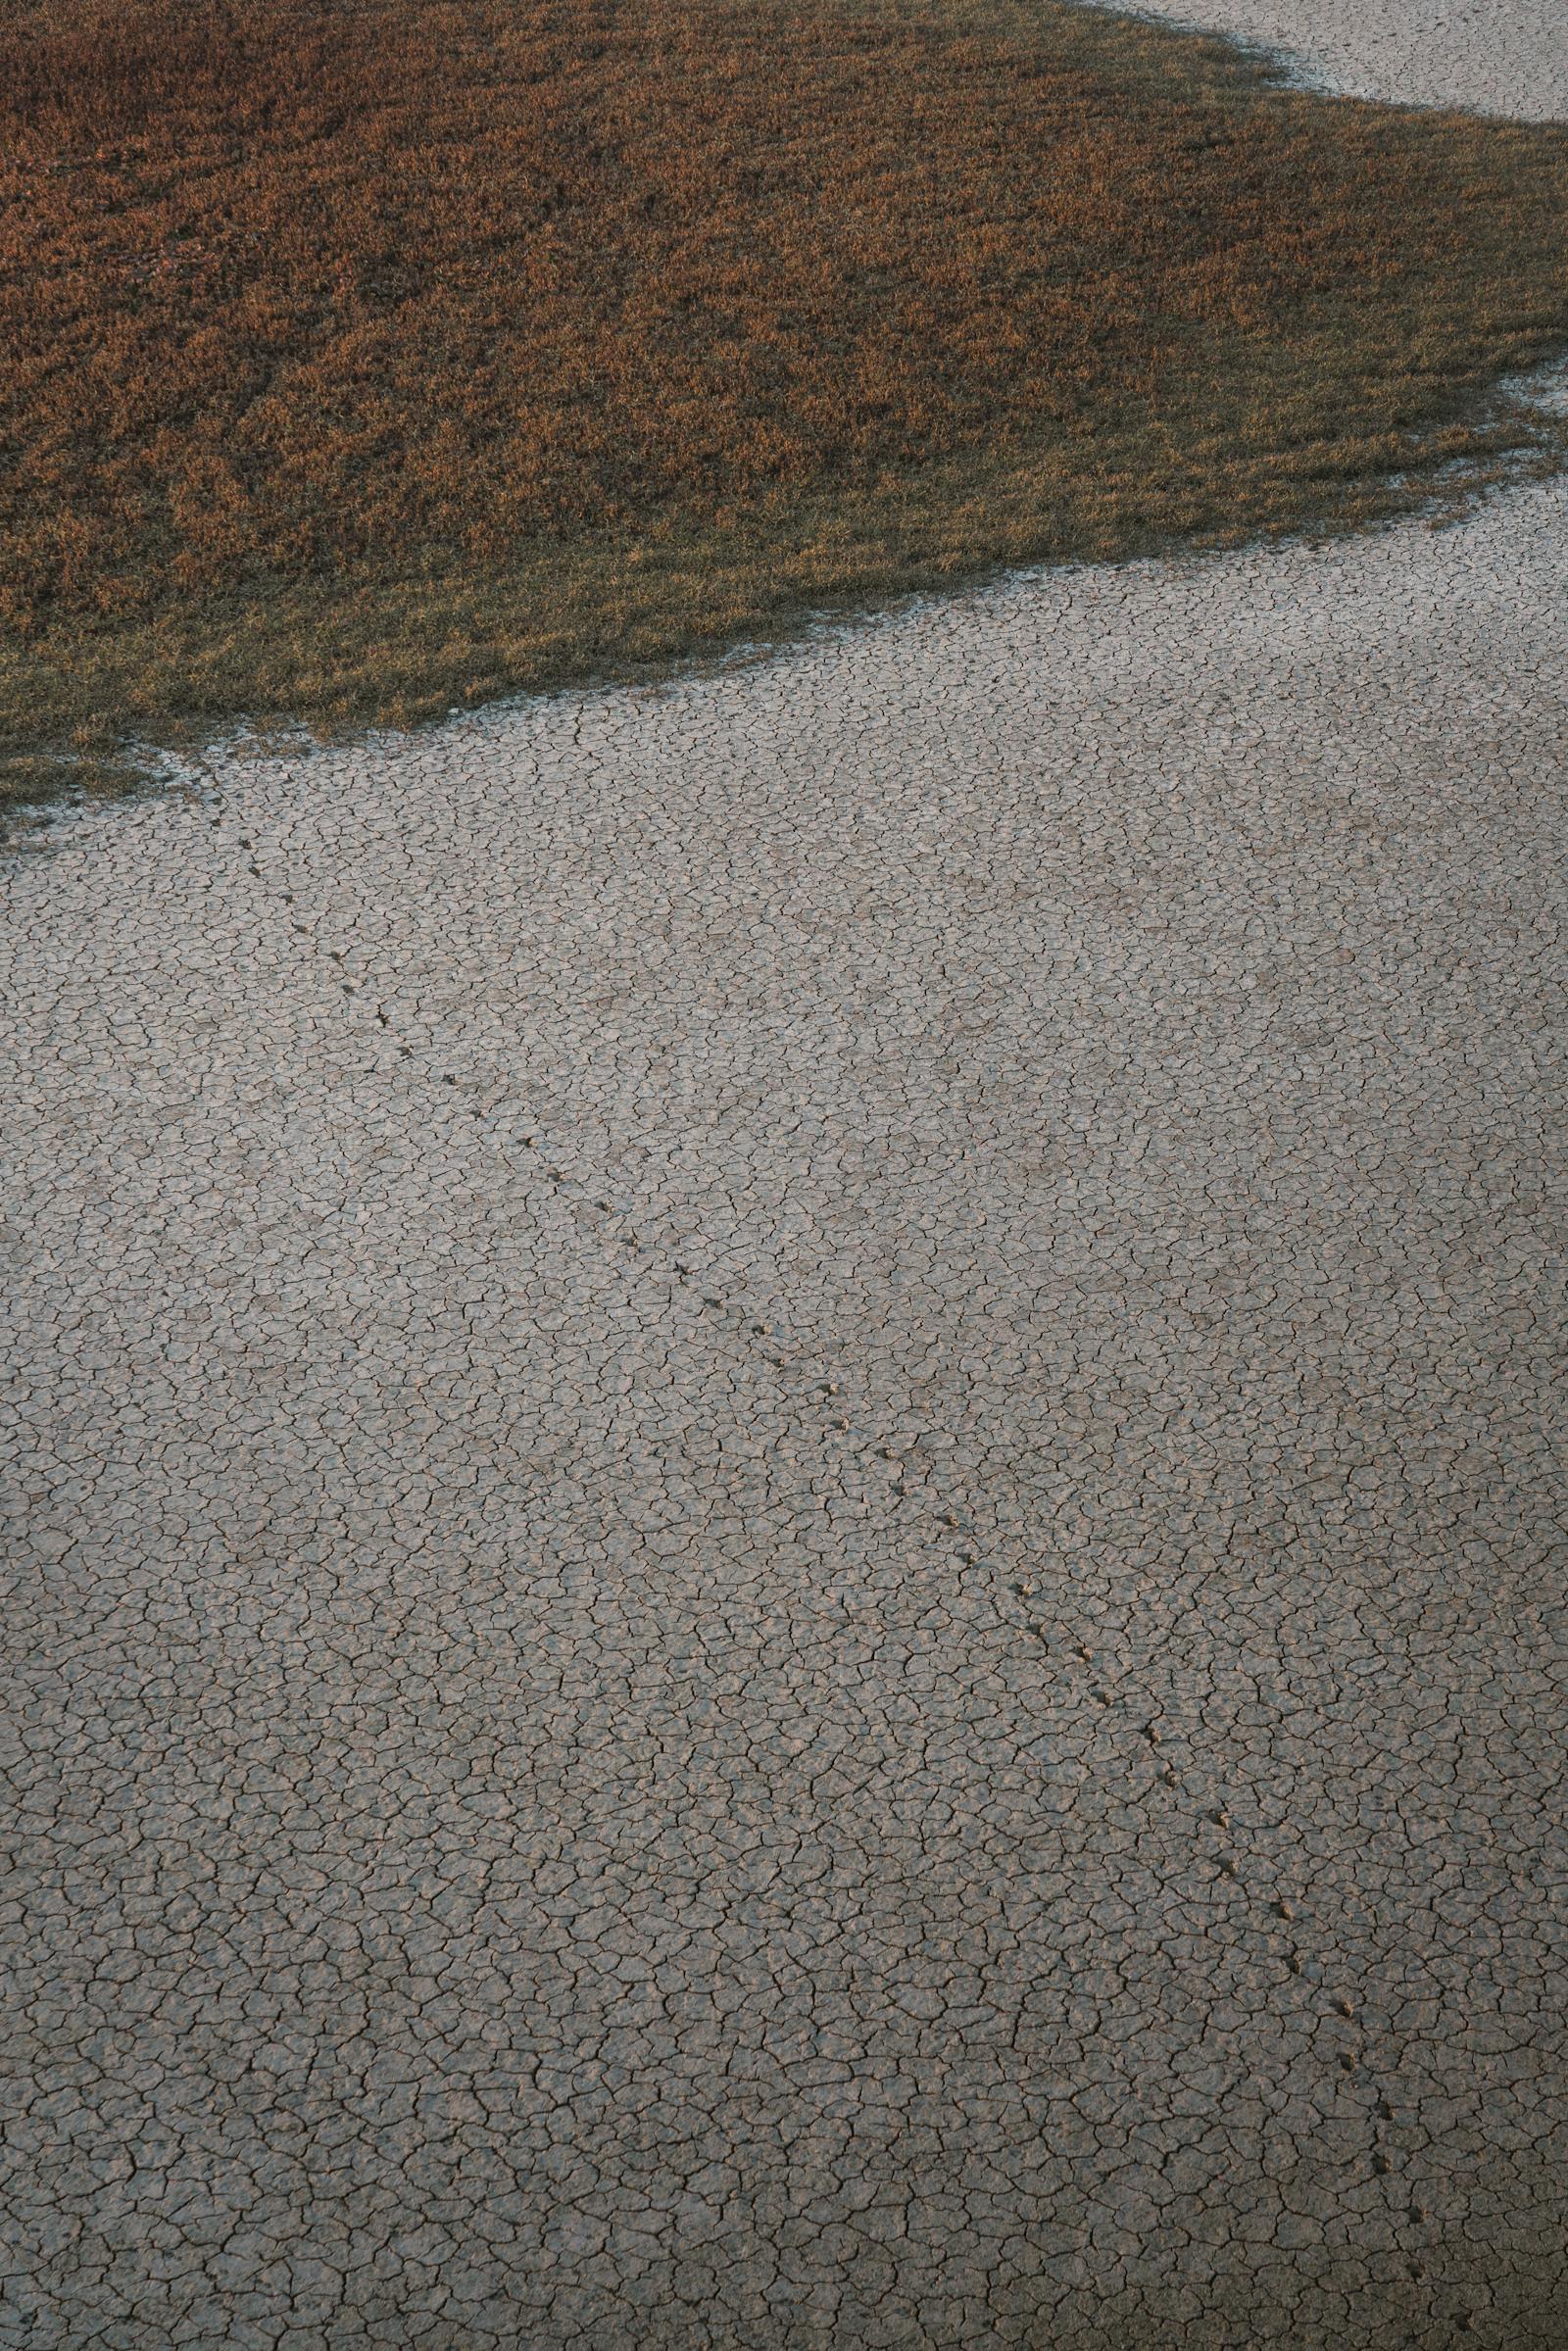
{"x": 787, "y": 1513}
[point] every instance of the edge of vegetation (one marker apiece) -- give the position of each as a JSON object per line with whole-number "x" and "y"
{"x": 1260, "y": 450}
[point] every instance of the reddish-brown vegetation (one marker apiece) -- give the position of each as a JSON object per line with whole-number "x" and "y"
{"x": 352, "y": 291}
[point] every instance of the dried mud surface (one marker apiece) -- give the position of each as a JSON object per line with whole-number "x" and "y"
{"x": 788, "y": 1515}
{"x": 1498, "y": 60}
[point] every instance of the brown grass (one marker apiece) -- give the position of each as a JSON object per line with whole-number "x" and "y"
{"x": 361, "y": 356}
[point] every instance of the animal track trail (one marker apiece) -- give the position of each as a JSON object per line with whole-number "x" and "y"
{"x": 720, "y": 1636}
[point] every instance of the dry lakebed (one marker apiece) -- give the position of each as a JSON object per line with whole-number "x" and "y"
{"x": 787, "y": 1480}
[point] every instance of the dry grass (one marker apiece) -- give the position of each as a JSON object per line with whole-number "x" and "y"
{"x": 364, "y": 355}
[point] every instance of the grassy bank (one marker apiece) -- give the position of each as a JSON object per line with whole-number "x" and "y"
{"x": 365, "y": 356}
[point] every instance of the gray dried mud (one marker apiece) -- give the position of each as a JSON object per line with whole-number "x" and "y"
{"x": 788, "y": 1495}
{"x": 1495, "y": 57}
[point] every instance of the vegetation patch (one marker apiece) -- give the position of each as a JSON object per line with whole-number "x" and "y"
{"x": 365, "y": 357}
